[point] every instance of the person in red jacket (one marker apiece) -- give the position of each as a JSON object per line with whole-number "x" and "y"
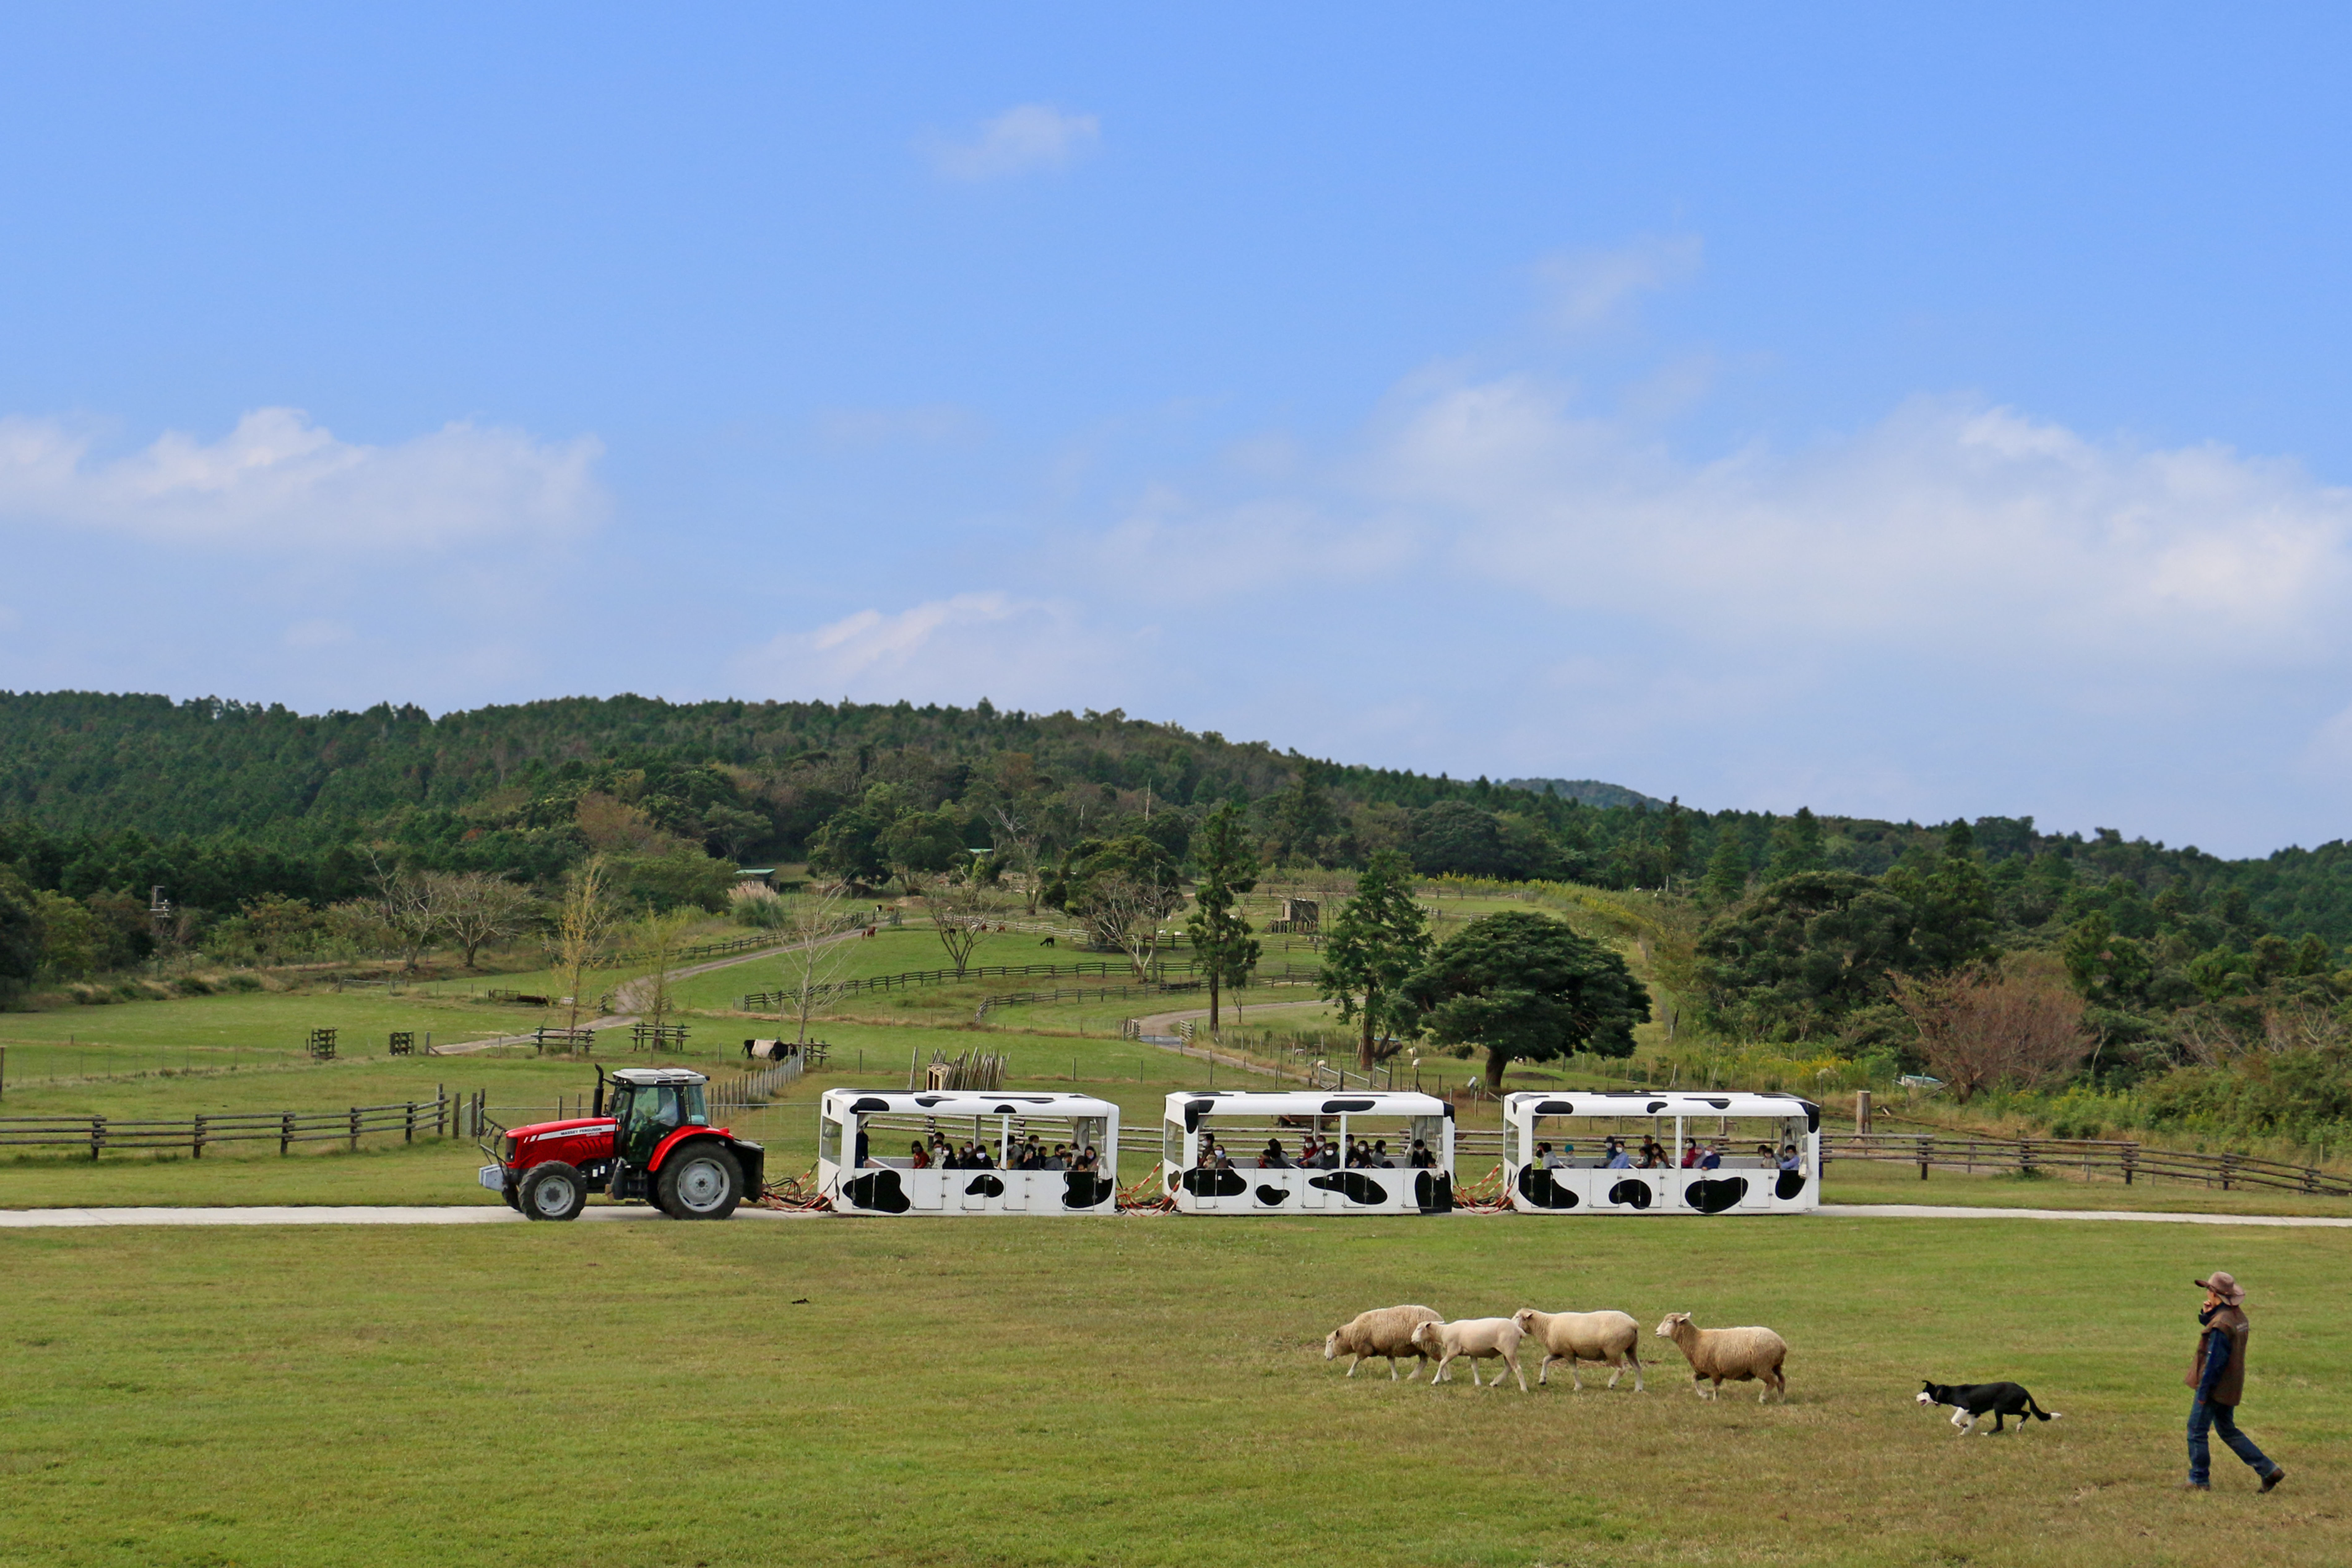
{"x": 2219, "y": 1376}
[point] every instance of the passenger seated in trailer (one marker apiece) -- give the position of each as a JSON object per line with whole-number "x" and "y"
{"x": 1381, "y": 1155}
{"x": 1788, "y": 1156}
{"x": 1271, "y": 1157}
{"x": 977, "y": 1158}
{"x": 1421, "y": 1159}
{"x": 1618, "y": 1159}
{"x": 1709, "y": 1160}
{"x": 1088, "y": 1162}
{"x": 1059, "y": 1160}
{"x": 1690, "y": 1154}
{"x": 1764, "y": 1155}
{"x": 917, "y": 1158}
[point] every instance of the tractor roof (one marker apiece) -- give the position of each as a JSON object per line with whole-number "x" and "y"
{"x": 647, "y": 1077}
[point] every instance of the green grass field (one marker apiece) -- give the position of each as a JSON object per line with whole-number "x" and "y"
{"x": 1132, "y": 1391}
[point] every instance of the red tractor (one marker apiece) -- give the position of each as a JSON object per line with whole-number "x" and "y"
{"x": 650, "y": 1137}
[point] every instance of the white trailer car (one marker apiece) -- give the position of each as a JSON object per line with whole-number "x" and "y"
{"x": 1246, "y": 1123}
{"x": 866, "y": 1163}
{"x": 1768, "y": 1148}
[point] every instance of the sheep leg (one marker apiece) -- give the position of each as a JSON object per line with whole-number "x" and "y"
{"x": 1576, "y": 1373}
{"x": 1637, "y": 1371}
{"x": 1474, "y": 1373}
{"x": 1512, "y": 1360}
{"x": 1393, "y": 1372}
{"x": 1354, "y": 1364}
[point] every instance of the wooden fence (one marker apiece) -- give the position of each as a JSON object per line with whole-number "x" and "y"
{"x": 2088, "y": 1156}
{"x": 445, "y": 1115}
{"x": 764, "y": 1001}
{"x": 748, "y": 1089}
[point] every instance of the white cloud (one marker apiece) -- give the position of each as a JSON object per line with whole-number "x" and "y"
{"x": 1950, "y": 529}
{"x": 1031, "y": 136}
{"x": 960, "y": 649}
{"x": 1589, "y": 289}
{"x": 279, "y": 480}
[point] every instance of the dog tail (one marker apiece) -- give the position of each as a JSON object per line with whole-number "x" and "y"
{"x": 2038, "y": 1414}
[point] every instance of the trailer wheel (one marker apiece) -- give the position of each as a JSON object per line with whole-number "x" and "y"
{"x": 702, "y": 1182}
{"x": 552, "y": 1191}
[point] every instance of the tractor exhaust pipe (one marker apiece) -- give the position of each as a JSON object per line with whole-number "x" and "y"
{"x": 599, "y": 1089}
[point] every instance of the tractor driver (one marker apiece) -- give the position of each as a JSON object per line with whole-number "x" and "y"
{"x": 653, "y": 1114}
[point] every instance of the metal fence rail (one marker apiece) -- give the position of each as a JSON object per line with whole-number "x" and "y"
{"x": 445, "y": 1115}
{"x": 2090, "y": 1156}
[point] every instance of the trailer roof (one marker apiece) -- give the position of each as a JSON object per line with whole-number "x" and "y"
{"x": 1664, "y": 1102}
{"x": 960, "y": 1102}
{"x": 1189, "y": 1106}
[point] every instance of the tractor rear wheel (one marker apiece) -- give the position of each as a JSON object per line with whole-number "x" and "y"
{"x": 702, "y": 1182}
{"x": 552, "y": 1191}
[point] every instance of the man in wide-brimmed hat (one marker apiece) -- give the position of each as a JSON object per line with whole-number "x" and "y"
{"x": 2219, "y": 1376}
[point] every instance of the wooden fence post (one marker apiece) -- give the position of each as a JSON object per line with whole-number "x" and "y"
{"x": 409, "y": 1135}
{"x": 196, "y": 1142}
{"x": 97, "y": 1134}
{"x": 355, "y": 1128}
{"x": 2131, "y": 1161}
{"x": 285, "y": 1131}
{"x": 1922, "y": 1159}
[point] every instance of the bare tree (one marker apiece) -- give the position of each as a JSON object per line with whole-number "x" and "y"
{"x": 408, "y": 905}
{"x": 1017, "y": 835}
{"x": 585, "y": 917}
{"x": 961, "y": 913}
{"x": 659, "y": 937}
{"x": 814, "y": 960}
{"x": 2019, "y": 1023}
{"x": 1125, "y": 912}
{"x": 479, "y": 908}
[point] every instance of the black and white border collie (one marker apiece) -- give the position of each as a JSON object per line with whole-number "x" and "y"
{"x": 1971, "y": 1402}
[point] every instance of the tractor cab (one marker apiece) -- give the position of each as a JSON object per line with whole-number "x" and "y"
{"x": 650, "y": 1139}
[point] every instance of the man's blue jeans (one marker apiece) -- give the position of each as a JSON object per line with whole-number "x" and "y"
{"x": 2221, "y": 1419}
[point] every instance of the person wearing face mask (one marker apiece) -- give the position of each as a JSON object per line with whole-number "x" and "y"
{"x": 2219, "y": 1376}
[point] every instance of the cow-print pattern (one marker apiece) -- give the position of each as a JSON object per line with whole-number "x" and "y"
{"x": 1537, "y": 1185}
{"x": 1716, "y": 1193}
{"x": 1274, "y": 1197}
{"x": 1790, "y": 1185}
{"x": 1207, "y": 1184}
{"x": 1632, "y": 1192}
{"x": 880, "y": 1191}
{"x": 983, "y": 1187}
{"x": 1353, "y": 1185}
{"x": 1085, "y": 1190}
{"x": 1434, "y": 1191}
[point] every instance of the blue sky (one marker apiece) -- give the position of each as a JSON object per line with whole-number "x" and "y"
{"x": 1910, "y": 415}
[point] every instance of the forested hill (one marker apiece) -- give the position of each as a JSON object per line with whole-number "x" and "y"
{"x": 222, "y": 801}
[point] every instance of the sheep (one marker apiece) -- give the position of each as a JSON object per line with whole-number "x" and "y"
{"x": 1382, "y": 1332}
{"x": 1573, "y": 1337}
{"x": 1476, "y": 1338}
{"x": 1736, "y": 1354}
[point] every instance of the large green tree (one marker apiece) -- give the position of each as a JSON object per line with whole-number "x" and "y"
{"x": 1222, "y": 944}
{"x": 1371, "y": 947}
{"x": 1528, "y": 988}
{"x": 1794, "y": 960}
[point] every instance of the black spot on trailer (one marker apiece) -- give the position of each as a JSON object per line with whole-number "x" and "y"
{"x": 1449, "y": 1110}
{"x": 868, "y": 1104}
{"x": 1434, "y": 1192}
{"x": 1656, "y": 1106}
{"x": 1274, "y": 1197}
{"x": 1554, "y": 1108}
{"x": 1085, "y": 1190}
{"x": 1718, "y": 1102}
{"x": 928, "y": 1100}
{"x": 878, "y": 1190}
{"x": 1812, "y": 1116}
{"x": 1353, "y": 1185}
{"x": 1790, "y": 1185}
{"x": 1006, "y": 1110}
{"x": 1631, "y": 1194}
{"x": 1713, "y": 1194}
{"x": 1207, "y": 1184}
{"x": 985, "y": 1185}
{"x": 1334, "y": 1107}
{"x": 1194, "y": 1110}
{"x": 1537, "y": 1186}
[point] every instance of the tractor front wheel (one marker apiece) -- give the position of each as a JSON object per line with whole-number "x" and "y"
{"x": 700, "y": 1184}
{"x": 552, "y": 1191}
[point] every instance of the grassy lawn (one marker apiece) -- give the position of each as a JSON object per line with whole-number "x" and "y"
{"x": 1136, "y": 1390}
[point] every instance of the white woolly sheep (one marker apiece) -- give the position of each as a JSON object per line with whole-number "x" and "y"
{"x": 1611, "y": 1338}
{"x": 1476, "y": 1338}
{"x": 1382, "y": 1332}
{"x": 1728, "y": 1355}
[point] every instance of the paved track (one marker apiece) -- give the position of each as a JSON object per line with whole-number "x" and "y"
{"x": 479, "y": 1213}
{"x": 453, "y": 1214}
